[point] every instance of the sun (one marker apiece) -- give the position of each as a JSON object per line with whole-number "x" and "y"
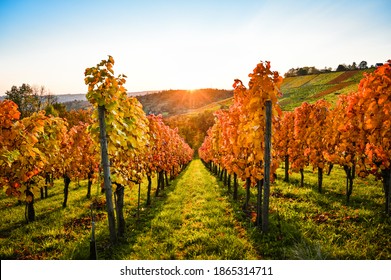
{"x": 191, "y": 91}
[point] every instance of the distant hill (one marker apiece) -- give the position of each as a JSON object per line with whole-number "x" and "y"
{"x": 167, "y": 102}
{"x": 79, "y": 101}
{"x": 309, "y": 88}
{"x": 62, "y": 98}
{"x": 295, "y": 90}
{"x": 193, "y": 124}
{"x": 174, "y": 102}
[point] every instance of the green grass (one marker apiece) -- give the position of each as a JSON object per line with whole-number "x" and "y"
{"x": 196, "y": 218}
{"x": 294, "y": 82}
{"x": 53, "y": 235}
{"x": 324, "y": 78}
{"x": 194, "y": 222}
{"x": 294, "y": 97}
{"x": 308, "y": 225}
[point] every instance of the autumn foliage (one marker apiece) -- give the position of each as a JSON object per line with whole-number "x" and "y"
{"x": 43, "y": 146}
{"x": 355, "y": 133}
{"x": 236, "y": 141}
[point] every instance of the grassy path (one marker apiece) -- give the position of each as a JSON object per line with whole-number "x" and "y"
{"x": 195, "y": 218}
{"x": 195, "y": 222}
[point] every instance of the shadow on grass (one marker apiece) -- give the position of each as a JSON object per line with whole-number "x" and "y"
{"x": 285, "y": 238}
{"x": 331, "y": 195}
{"x": 135, "y": 226}
{"x": 6, "y": 231}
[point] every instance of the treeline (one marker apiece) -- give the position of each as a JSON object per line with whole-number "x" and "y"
{"x": 306, "y": 70}
{"x": 173, "y": 102}
{"x": 32, "y": 99}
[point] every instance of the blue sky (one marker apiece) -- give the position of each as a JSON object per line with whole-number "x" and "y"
{"x": 183, "y": 44}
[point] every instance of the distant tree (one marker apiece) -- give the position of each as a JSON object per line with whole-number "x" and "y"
{"x": 302, "y": 71}
{"x": 30, "y": 99}
{"x": 60, "y": 108}
{"x": 363, "y": 65}
{"x": 313, "y": 70}
{"x": 326, "y": 69}
{"x": 354, "y": 66}
{"x": 342, "y": 67}
{"x": 25, "y": 99}
{"x": 306, "y": 70}
{"x": 46, "y": 97}
{"x": 291, "y": 73}
{"x": 49, "y": 110}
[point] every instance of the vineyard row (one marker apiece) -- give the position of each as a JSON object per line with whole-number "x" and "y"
{"x": 355, "y": 133}
{"x": 39, "y": 148}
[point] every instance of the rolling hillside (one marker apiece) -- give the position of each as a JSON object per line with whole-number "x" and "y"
{"x": 309, "y": 88}
{"x": 182, "y": 102}
{"x": 295, "y": 90}
{"x": 174, "y": 102}
{"x": 313, "y": 87}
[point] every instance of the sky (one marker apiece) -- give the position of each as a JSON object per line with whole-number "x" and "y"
{"x": 183, "y": 44}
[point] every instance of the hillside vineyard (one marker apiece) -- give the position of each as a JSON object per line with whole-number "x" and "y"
{"x": 118, "y": 146}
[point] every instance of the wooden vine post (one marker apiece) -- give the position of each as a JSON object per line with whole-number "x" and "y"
{"x": 101, "y": 85}
{"x": 106, "y": 173}
{"x": 93, "y": 250}
{"x": 267, "y": 164}
{"x": 243, "y": 138}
